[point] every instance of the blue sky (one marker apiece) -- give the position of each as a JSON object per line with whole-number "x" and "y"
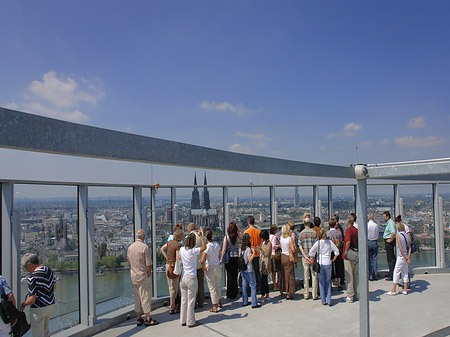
{"x": 303, "y": 80}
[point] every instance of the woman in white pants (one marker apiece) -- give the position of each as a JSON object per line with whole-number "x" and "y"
{"x": 211, "y": 262}
{"x": 189, "y": 285}
{"x": 403, "y": 258}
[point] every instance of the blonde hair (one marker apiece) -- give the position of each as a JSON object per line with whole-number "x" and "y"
{"x": 306, "y": 215}
{"x": 285, "y": 231}
{"x": 291, "y": 225}
{"x": 400, "y": 226}
{"x": 178, "y": 235}
{"x": 322, "y": 234}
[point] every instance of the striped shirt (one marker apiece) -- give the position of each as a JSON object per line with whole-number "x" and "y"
{"x": 306, "y": 239}
{"x": 41, "y": 283}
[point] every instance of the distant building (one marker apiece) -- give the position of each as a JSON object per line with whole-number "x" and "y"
{"x": 236, "y": 201}
{"x": 203, "y": 215}
{"x": 296, "y": 198}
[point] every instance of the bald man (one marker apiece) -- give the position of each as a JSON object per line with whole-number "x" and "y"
{"x": 140, "y": 262}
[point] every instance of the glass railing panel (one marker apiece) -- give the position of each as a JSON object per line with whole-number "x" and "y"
{"x": 380, "y": 199}
{"x": 114, "y": 233}
{"x": 418, "y": 215}
{"x": 163, "y": 219}
{"x": 343, "y": 203}
{"x": 323, "y": 203}
{"x": 49, "y": 229}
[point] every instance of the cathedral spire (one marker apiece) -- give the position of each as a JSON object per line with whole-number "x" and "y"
{"x": 205, "y": 200}
{"x": 195, "y": 201}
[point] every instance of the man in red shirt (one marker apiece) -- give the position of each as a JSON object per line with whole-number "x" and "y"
{"x": 255, "y": 240}
{"x": 351, "y": 264}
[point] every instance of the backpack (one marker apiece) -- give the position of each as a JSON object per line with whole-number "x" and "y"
{"x": 335, "y": 240}
{"x": 413, "y": 243}
{"x": 8, "y": 311}
{"x": 242, "y": 266}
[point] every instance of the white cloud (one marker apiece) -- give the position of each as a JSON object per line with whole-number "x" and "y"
{"x": 65, "y": 92}
{"x": 254, "y": 136}
{"x": 384, "y": 142}
{"x": 60, "y": 97}
{"x": 12, "y": 106}
{"x": 240, "y": 148}
{"x": 237, "y": 109}
{"x": 411, "y": 141}
{"x": 331, "y": 135}
{"x": 366, "y": 143}
{"x": 417, "y": 122}
{"x": 353, "y": 127}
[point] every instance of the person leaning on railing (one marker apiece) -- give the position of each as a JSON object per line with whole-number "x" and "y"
{"x": 403, "y": 258}
{"x": 230, "y": 252}
{"x": 170, "y": 252}
{"x": 41, "y": 294}
{"x": 189, "y": 283}
{"x": 211, "y": 262}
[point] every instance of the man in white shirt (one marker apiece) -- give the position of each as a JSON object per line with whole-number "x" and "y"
{"x": 372, "y": 236}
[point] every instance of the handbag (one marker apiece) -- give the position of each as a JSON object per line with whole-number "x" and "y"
{"x": 226, "y": 255}
{"x": 8, "y": 311}
{"x": 278, "y": 254}
{"x": 171, "y": 269}
{"x": 22, "y": 326}
{"x": 293, "y": 256}
{"x": 178, "y": 267}
{"x": 316, "y": 265}
{"x": 352, "y": 253}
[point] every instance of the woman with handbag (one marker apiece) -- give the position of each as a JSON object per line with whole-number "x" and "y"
{"x": 170, "y": 251}
{"x": 288, "y": 252}
{"x": 230, "y": 255}
{"x": 210, "y": 259}
{"x": 321, "y": 251}
{"x": 276, "y": 257}
{"x": 265, "y": 265}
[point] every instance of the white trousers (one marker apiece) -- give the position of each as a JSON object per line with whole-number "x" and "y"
{"x": 401, "y": 270}
{"x": 213, "y": 277}
{"x": 189, "y": 286}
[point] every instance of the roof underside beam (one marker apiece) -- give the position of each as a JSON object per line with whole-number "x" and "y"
{"x": 22, "y": 131}
{"x": 437, "y": 170}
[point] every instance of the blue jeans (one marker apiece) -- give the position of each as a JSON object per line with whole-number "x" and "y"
{"x": 325, "y": 283}
{"x": 247, "y": 278}
{"x": 373, "y": 253}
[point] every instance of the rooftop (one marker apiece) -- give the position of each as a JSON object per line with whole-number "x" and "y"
{"x": 421, "y": 312}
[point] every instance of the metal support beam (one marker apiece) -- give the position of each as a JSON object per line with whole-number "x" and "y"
{"x": 355, "y": 192}
{"x": 437, "y": 169}
{"x": 137, "y": 209}
{"x": 15, "y": 256}
{"x": 330, "y": 201}
{"x": 83, "y": 253}
{"x": 316, "y": 200}
{"x": 396, "y": 200}
{"x": 173, "y": 206}
{"x": 153, "y": 212}
{"x": 226, "y": 210}
{"x": 273, "y": 206}
{"x": 7, "y": 204}
{"x": 361, "y": 214}
{"x": 438, "y": 228}
{"x": 443, "y": 262}
{"x": 91, "y": 268}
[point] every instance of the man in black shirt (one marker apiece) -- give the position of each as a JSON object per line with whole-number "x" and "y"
{"x": 41, "y": 292}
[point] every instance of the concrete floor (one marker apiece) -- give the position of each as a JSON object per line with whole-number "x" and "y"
{"x": 423, "y": 311}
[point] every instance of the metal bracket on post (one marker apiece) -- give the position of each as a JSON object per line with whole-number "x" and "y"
{"x": 361, "y": 214}
{"x": 173, "y": 206}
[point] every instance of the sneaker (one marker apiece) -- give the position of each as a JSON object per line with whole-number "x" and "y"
{"x": 391, "y": 293}
{"x": 256, "y": 306}
{"x": 349, "y": 299}
{"x": 404, "y": 292}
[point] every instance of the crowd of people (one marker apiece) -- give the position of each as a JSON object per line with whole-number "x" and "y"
{"x": 249, "y": 257}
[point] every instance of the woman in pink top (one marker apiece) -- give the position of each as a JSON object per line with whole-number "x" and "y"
{"x": 276, "y": 264}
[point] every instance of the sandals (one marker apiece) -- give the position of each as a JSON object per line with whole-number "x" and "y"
{"x": 140, "y": 321}
{"x": 194, "y": 325}
{"x": 151, "y": 322}
{"x": 213, "y": 310}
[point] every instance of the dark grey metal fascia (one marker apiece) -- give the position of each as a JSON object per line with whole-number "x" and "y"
{"x": 436, "y": 169}
{"x": 23, "y": 131}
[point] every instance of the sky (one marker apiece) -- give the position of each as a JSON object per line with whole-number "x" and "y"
{"x": 301, "y": 80}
